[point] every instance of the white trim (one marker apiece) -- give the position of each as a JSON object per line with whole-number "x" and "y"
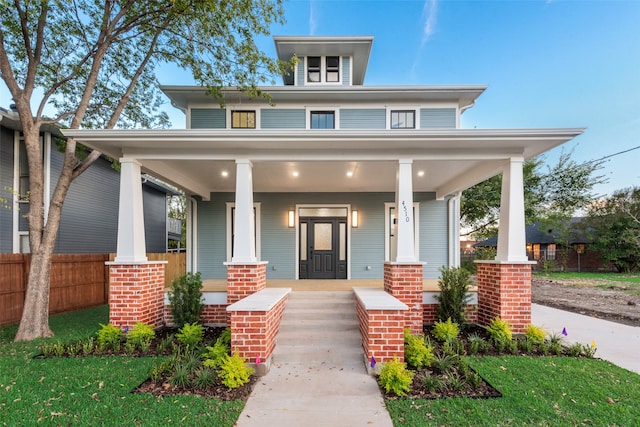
{"x": 387, "y": 230}
{"x": 297, "y": 228}
{"x": 192, "y": 235}
{"x": 229, "y": 231}
{"x": 336, "y": 116}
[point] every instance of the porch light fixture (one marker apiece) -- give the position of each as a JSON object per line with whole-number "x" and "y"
{"x": 354, "y": 219}
{"x": 292, "y": 219}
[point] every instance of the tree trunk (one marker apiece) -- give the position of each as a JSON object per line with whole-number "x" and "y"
{"x": 35, "y": 314}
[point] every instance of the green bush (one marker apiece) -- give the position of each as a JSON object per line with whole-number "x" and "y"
{"x": 445, "y": 331}
{"x": 215, "y": 355}
{"x": 499, "y": 331}
{"x": 140, "y": 336}
{"x": 416, "y": 352}
{"x": 190, "y": 334}
{"x": 535, "y": 334}
{"x": 109, "y": 337}
{"x": 395, "y": 377}
{"x": 454, "y": 296}
{"x": 185, "y": 298}
{"x": 234, "y": 372}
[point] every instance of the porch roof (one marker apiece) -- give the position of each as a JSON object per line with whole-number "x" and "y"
{"x": 450, "y": 160}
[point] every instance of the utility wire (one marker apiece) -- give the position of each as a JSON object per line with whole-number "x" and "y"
{"x": 613, "y": 155}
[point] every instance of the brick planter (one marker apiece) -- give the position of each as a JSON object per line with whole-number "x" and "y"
{"x": 136, "y": 294}
{"x": 404, "y": 281}
{"x": 244, "y": 280}
{"x": 504, "y": 291}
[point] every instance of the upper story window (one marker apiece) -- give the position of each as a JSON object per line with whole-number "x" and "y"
{"x": 327, "y": 66}
{"x": 323, "y": 120}
{"x": 403, "y": 119}
{"x": 243, "y": 119}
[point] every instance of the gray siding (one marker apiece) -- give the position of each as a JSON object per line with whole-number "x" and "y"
{"x": 6, "y": 183}
{"x": 437, "y": 118}
{"x": 362, "y": 118}
{"x": 89, "y": 222}
{"x": 278, "y": 241}
{"x": 346, "y": 70}
{"x": 434, "y": 247}
{"x": 300, "y": 76}
{"x": 155, "y": 219}
{"x": 208, "y": 118}
{"x": 282, "y": 118}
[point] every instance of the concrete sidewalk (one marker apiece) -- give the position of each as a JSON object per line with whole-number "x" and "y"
{"x": 318, "y": 377}
{"x": 617, "y": 343}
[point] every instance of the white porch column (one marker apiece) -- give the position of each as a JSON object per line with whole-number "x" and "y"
{"x": 406, "y": 250}
{"x": 512, "y": 239}
{"x": 244, "y": 243}
{"x": 454, "y": 230}
{"x": 131, "y": 243}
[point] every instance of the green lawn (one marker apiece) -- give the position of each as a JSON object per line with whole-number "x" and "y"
{"x": 97, "y": 391}
{"x": 91, "y": 390}
{"x": 545, "y": 391}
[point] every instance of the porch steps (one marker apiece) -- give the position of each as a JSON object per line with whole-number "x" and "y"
{"x": 317, "y": 376}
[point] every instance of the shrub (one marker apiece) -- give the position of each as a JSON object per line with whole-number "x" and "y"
{"x": 204, "y": 377}
{"x": 215, "y": 355}
{"x": 445, "y": 363}
{"x": 140, "y": 336}
{"x": 234, "y": 372}
{"x": 526, "y": 344}
{"x": 535, "y": 334}
{"x": 185, "y": 298}
{"x": 395, "y": 377}
{"x": 453, "y": 298}
{"x": 445, "y": 331}
{"x": 477, "y": 344}
{"x": 416, "y": 352}
{"x": 190, "y": 334}
{"x": 109, "y": 337}
{"x": 499, "y": 331}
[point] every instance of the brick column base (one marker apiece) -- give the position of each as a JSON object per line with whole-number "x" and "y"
{"x": 504, "y": 291}
{"x": 136, "y": 294}
{"x": 404, "y": 281}
{"x": 244, "y": 280}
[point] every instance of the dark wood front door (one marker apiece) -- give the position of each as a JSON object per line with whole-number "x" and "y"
{"x": 323, "y": 243}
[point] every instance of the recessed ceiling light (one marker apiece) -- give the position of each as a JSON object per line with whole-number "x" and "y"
{"x": 349, "y": 174}
{"x": 420, "y": 173}
{"x": 224, "y": 174}
{"x": 295, "y": 173}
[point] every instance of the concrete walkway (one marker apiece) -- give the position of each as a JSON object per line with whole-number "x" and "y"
{"x": 617, "y": 343}
{"x": 317, "y": 377}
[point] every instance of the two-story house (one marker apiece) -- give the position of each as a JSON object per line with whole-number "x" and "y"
{"x": 89, "y": 220}
{"x": 332, "y": 179}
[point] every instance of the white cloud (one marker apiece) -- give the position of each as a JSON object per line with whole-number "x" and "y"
{"x": 313, "y": 23}
{"x": 430, "y": 17}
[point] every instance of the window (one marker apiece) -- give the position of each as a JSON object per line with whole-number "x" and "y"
{"x": 323, "y": 69}
{"x": 390, "y": 230}
{"x": 243, "y": 119}
{"x": 333, "y": 69}
{"x": 403, "y": 119}
{"x": 322, "y": 120}
{"x": 313, "y": 69}
{"x": 231, "y": 216}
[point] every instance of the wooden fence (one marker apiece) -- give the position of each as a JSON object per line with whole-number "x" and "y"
{"x": 77, "y": 281}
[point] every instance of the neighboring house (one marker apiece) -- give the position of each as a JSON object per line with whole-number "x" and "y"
{"x": 543, "y": 246}
{"x": 332, "y": 179}
{"x": 89, "y": 220}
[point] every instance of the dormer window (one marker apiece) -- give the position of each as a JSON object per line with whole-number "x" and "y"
{"x": 323, "y": 69}
{"x": 333, "y": 69}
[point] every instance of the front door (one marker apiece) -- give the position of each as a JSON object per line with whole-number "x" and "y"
{"x": 323, "y": 248}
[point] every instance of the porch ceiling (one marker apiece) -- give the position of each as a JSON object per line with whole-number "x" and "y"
{"x": 444, "y": 161}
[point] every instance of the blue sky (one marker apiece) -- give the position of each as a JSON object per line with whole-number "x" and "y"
{"x": 548, "y": 63}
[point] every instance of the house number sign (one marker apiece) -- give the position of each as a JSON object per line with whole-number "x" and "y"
{"x": 405, "y": 211}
